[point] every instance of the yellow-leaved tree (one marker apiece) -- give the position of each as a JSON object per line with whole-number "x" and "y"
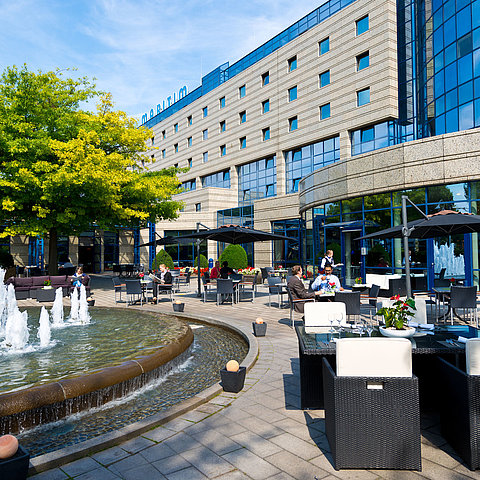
{"x": 64, "y": 169}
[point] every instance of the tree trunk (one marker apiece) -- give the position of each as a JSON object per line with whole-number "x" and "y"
{"x": 52, "y": 252}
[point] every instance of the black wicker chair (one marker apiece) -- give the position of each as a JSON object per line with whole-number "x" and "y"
{"x": 351, "y": 301}
{"x": 464, "y": 298}
{"x": 460, "y": 410}
{"x": 372, "y": 422}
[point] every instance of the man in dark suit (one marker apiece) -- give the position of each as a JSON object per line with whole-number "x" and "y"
{"x": 298, "y": 290}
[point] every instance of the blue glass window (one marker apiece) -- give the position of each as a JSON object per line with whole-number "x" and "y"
{"x": 189, "y": 142}
{"x": 265, "y": 79}
{"x": 163, "y": 153}
{"x": 189, "y": 120}
{"x": 363, "y": 61}
{"x": 363, "y": 97}
{"x": 374, "y": 137}
{"x": 266, "y": 106}
{"x": 362, "y": 25}
{"x": 292, "y": 64}
{"x": 266, "y": 133}
{"x": 243, "y": 116}
{"x": 465, "y": 93}
{"x": 205, "y": 157}
{"x": 223, "y": 150}
{"x": 464, "y": 22}
{"x": 324, "y": 78}
{"x": 292, "y": 94}
{"x": 188, "y": 186}
{"x": 324, "y": 46}
{"x": 242, "y": 91}
{"x": 449, "y": 31}
{"x": 257, "y": 180}
{"x": 450, "y": 77}
{"x": 205, "y": 134}
{"x": 465, "y": 116}
{"x": 205, "y": 111}
{"x": 164, "y": 134}
{"x": 465, "y": 69}
{"x": 223, "y": 126}
{"x": 222, "y": 102}
{"x": 464, "y": 45}
{"x": 190, "y": 163}
{"x": 243, "y": 142}
{"x": 451, "y": 118}
{"x": 325, "y": 111}
{"x": 175, "y": 128}
{"x": 175, "y": 148}
{"x": 292, "y": 124}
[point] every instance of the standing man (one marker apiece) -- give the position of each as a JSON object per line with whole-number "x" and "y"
{"x": 297, "y": 288}
{"x": 322, "y": 282}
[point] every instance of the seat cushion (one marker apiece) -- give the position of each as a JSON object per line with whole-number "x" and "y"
{"x": 39, "y": 281}
{"x": 23, "y": 282}
{"x": 374, "y": 357}
{"x": 472, "y": 353}
{"x": 58, "y": 279}
{"x": 319, "y": 314}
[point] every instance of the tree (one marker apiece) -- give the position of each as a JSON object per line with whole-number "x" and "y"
{"x": 63, "y": 168}
{"x": 235, "y": 255}
{"x": 162, "y": 257}
{"x": 203, "y": 261}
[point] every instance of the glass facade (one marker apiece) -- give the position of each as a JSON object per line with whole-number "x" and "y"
{"x": 257, "y": 180}
{"x": 287, "y": 254}
{"x": 110, "y": 250}
{"x": 189, "y": 185}
{"x": 374, "y": 137}
{"x": 219, "y": 179}
{"x": 183, "y": 255}
{"x": 302, "y": 161}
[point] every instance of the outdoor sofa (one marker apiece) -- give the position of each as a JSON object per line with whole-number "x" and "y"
{"x": 27, "y": 287}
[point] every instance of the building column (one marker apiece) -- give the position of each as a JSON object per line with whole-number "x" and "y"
{"x": 345, "y": 145}
{"x": 281, "y": 173}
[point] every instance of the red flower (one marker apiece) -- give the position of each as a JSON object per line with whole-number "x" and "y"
{"x": 332, "y": 284}
{"x": 395, "y": 297}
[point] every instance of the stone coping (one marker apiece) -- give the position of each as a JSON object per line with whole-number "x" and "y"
{"x": 74, "y": 452}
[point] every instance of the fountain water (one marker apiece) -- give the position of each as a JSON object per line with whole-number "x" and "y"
{"x": 74, "y": 306}
{"x": 3, "y": 303}
{"x": 44, "y": 332}
{"x": 16, "y": 327}
{"x": 57, "y": 309}
{"x": 83, "y": 314}
{"x": 444, "y": 257}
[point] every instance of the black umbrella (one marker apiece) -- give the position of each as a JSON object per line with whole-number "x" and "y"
{"x": 446, "y": 222}
{"x": 235, "y": 234}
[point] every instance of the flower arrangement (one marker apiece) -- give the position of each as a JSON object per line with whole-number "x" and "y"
{"x": 397, "y": 315}
{"x": 452, "y": 281}
{"x": 248, "y": 271}
{"x": 358, "y": 280}
{"x": 141, "y": 275}
{"x": 47, "y": 283}
{"x": 330, "y": 287}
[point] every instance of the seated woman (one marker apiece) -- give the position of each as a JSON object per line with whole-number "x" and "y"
{"x": 78, "y": 277}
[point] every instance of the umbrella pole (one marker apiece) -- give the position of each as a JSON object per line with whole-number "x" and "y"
{"x": 406, "y": 234}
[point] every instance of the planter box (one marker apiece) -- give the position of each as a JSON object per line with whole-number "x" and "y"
{"x": 16, "y": 467}
{"x": 233, "y": 381}
{"x": 91, "y": 303}
{"x": 178, "y": 307}
{"x": 259, "y": 329}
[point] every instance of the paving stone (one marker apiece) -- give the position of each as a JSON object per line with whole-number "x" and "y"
{"x": 100, "y": 473}
{"x": 190, "y": 473}
{"x": 137, "y": 444}
{"x": 295, "y": 466}
{"x": 439, "y": 456}
{"x": 256, "y": 444}
{"x": 252, "y": 465}
{"x": 110, "y": 455}
{"x": 80, "y": 466}
{"x": 235, "y": 413}
{"x": 133, "y": 461}
{"x": 171, "y": 464}
{"x": 195, "y": 416}
{"x": 234, "y": 475}
{"x": 299, "y": 447}
{"x": 281, "y": 476}
{"x": 54, "y": 474}
{"x": 158, "y": 434}
{"x": 144, "y": 472}
{"x": 157, "y": 452}
{"x": 209, "y": 408}
{"x": 181, "y": 442}
{"x": 258, "y": 426}
{"x": 178, "y": 424}
{"x": 438, "y": 472}
{"x": 217, "y": 442}
{"x": 207, "y": 462}
{"x": 230, "y": 429}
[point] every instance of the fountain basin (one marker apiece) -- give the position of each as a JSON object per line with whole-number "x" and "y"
{"x": 40, "y": 404}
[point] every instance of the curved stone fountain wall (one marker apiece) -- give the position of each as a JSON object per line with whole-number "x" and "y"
{"x": 53, "y": 401}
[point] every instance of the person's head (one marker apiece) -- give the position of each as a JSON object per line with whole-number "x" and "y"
{"x": 329, "y": 253}
{"x": 79, "y": 270}
{"x": 162, "y": 267}
{"x": 296, "y": 270}
{"x": 217, "y": 263}
{"x": 225, "y": 264}
{"x": 328, "y": 270}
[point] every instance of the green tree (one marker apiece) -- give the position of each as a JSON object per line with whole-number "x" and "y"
{"x": 162, "y": 257}
{"x": 235, "y": 255}
{"x": 63, "y": 168}
{"x": 203, "y": 261}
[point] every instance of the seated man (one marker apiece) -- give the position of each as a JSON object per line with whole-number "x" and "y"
{"x": 323, "y": 280}
{"x": 297, "y": 289}
{"x": 225, "y": 271}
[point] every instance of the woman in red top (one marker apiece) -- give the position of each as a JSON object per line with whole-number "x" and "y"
{"x": 215, "y": 273}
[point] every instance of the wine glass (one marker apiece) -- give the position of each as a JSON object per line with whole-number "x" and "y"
{"x": 368, "y": 328}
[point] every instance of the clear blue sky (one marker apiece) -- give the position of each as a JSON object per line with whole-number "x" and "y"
{"x": 140, "y": 50}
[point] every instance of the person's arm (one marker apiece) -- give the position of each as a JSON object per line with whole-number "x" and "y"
{"x": 316, "y": 283}
{"x": 322, "y": 263}
{"x": 300, "y": 291}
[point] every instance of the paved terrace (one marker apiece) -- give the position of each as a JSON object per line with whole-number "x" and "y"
{"x": 259, "y": 433}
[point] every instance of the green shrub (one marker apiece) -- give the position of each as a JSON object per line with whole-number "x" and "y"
{"x": 162, "y": 257}
{"x": 6, "y": 259}
{"x": 203, "y": 261}
{"x": 235, "y": 255}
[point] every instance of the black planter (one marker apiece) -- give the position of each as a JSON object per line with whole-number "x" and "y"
{"x": 16, "y": 467}
{"x": 233, "y": 381}
{"x": 259, "y": 329}
{"x": 91, "y": 303}
{"x": 178, "y": 307}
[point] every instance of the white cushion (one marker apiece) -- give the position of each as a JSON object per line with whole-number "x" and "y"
{"x": 374, "y": 357}
{"x": 383, "y": 281}
{"x": 472, "y": 353}
{"x": 319, "y": 314}
{"x": 420, "y": 314}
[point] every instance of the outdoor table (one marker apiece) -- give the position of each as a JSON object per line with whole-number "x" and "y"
{"x": 425, "y": 347}
{"x": 45, "y": 294}
{"x": 442, "y": 297}
{"x": 360, "y": 287}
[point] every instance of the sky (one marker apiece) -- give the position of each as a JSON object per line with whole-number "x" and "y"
{"x": 139, "y": 50}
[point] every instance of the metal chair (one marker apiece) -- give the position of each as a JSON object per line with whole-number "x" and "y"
{"x": 292, "y": 301}
{"x": 205, "y": 283}
{"x": 372, "y": 298}
{"x": 118, "y": 285}
{"x": 134, "y": 289}
{"x": 184, "y": 280}
{"x": 275, "y": 288}
{"x": 465, "y": 298}
{"x": 351, "y": 301}
{"x": 225, "y": 287}
{"x": 249, "y": 287}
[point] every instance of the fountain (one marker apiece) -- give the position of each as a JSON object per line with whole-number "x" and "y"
{"x": 57, "y": 309}
{"x": 444, "y": 257}
{"x": 44, "y": 332}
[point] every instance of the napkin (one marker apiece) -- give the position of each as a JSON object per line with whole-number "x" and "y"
{"x": 462, "y": 339}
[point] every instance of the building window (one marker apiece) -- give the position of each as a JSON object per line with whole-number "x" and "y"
{"x": 152, "y": 158}
{"x": 190, "y": 162}
{"x": 222, "y": 102}
{"x": 190, "y": 185}
{"x": 189, "y": 120}
{"x": 223, "y": 126}
{"x": 266, "y": 134}
{"x": 189, "y": 141}
{"x": 242, "y": 91}
{"x": 292, "y": 93}
{"x": 243, "y": 142}
{"x": 374, "y": 137}
{"x": 256, "y": 180}
{"x": 205, "y": 157}
{"x": 153, "y": 140}
{"x": 175, "y": 128}
{"x": 266, "y": 106}
{"x": 175, "y": 148}
{"x": 205, "y": 134}
{"x": 205, "y": 111}
{"x": 223, "y": 150}
{"x": 265, "y": 79}
{"x": 292, "y": 64}
{"x": 363, "y": 61}
{"x": 198, "y": 207}
{"x": 164, "y": 134}
{"x": 324, "y": 46}
{"x": 219, "y": 180}
{"x": 325, "y": 111}
{"x": 292, "y": 124}
{"x": 175, "y": 165}
{"x": 362, "y": 25}
{"x": 163, "y": 153}
{"x": 363, "y": 97}
{"x": 243, "y": 116}
{"x": 324, "y": 78}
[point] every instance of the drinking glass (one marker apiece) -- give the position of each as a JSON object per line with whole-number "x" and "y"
{"x": 368, "y": 328}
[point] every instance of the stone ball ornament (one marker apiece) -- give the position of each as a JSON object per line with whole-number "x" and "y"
{"x": 8, "y": 446}
{"x": 232, "y": 366}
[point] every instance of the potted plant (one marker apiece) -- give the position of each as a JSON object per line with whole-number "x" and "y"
{"x": 47, "y": 284}
{"x": 233, "y": 376}
{"x": 396, "y": 318}
{"x": 90, "y": 301}
{"x": 358, "y": 281}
